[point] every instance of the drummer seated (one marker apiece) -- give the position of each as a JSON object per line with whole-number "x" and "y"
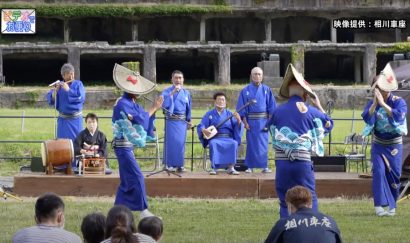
{"x": 91, "y": 142}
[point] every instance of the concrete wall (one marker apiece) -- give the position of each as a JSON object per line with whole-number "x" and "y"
{"x": 104, "y": 98}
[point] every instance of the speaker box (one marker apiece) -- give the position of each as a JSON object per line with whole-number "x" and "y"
{"x": 37, "y": 164}
{"x": 240, "y": 165}
{"x": 329, "y": 163}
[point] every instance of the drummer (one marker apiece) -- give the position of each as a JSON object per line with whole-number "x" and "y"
{"x": 91, "y": 142}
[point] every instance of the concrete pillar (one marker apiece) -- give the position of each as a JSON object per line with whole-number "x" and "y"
{"x": 216, "y": 69}
{"x": 74, "y": 57}
{"x": 224, "y": 62}
{"x": 66, "y": 31}
{"x": 202, "y": 30}
{"x": 333, "y": 32}
{"x": 397, "y": 35}
{"x": 150, "y": 63}
{"x": 268, "y": 29}
{"x": 369, "y": 63}
{"x": 357, "y": 69}
{"x": 297, "y": 56}
{"x": 134, "y": 30}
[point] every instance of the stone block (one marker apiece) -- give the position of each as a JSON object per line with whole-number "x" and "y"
{"x": 193, "y": 42}
{"x": 134, "y": 43}
{"x": 249, "y": 42}
{"x": 214, "y": 42}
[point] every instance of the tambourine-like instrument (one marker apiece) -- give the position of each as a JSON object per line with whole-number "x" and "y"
{"x": 214, "y": 129}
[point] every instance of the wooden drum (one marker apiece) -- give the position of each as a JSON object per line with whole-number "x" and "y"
{"x": 56, "y": 153}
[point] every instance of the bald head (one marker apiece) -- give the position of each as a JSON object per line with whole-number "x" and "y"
{"x": 256, "y": 75}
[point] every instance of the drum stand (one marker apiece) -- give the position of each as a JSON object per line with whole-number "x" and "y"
{"x": 6, "y": 195}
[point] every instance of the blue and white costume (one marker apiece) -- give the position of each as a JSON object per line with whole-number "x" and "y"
{"x": 224, "y": 146}
{"x": 179, "y": 107}
{"x": 256, "y": 115}
{"x": 70, "y": 107}
{"x": 294, "y": 140}
{"x": 387, "y": 147}
{"x": 127, "y": 134}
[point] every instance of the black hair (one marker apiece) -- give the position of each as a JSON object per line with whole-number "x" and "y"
{"x": 91, "y": 116}
{"x": 47, "y": 206}
{"x": 120, "y": 225}
{"x": 219, "y": 94}
{"x": 176, "y": 72}
{"x": 151, "y": 226}
{"x": 93, "y": 228}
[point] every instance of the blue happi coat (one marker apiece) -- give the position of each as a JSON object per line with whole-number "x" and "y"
{"x": 257, "y": 115}
{"x": 224, "y": 146}
{"x": 297, "y": 131}
{"x": 305, "y": 225}
{"x": 179, "y": 107}
{"x": 127, "y": 134}
{"x": 387, "y": 148}
{"x": 70, "y": 107}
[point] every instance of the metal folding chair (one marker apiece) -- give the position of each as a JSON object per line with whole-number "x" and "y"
{"x": 358, "y": 147}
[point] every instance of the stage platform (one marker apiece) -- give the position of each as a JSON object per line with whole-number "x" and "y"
{"x": 193, "y": 185}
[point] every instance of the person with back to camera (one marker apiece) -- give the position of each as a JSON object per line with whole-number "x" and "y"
{"x": 50, "y": 219}
{"x": 304, "y": 224}
{"x": 151, "y": 227}
{"x": 93, "y": 228}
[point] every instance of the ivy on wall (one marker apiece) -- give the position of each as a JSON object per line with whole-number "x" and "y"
{"x": 398, "y": 47}
{"x": 111, "y": 10}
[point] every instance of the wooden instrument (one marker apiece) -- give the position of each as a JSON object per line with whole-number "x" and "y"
{"x": 214, "y": 129}
{"x": 56, "y": 153}
{"x": 93, "y": 165}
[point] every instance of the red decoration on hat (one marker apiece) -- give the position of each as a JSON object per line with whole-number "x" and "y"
{"x": 389, "y": 78}
{"x": 132, "y": 79}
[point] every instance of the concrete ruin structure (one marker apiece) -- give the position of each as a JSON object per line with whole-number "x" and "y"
{"x": 213, "y": 40}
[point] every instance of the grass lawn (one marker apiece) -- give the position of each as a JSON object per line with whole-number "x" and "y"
{"x": 43, "y": 129}
{"x": 225, "y": 220}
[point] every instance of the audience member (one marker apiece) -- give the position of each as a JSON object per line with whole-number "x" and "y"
{"x": 93, "y": 228}
{"x": 303, "y": 224}
{"x": 120, "y": 226}
{"x": 49, "y": 216}
{"x": 150, "y": 227}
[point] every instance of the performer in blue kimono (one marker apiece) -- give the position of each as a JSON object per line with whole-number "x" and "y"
{"x": 70, "y": 99}
{"x": 385, "y": 118}
{"x": 223, "y": 146}
{"x": 130, "y": 123}
{"x": 303, "y": 224}
{"x": 254, "y": 118}
{"x": 297, "y": 131}
{"x": 177, "y": 102}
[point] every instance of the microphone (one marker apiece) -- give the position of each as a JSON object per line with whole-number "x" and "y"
{"x": 54, "y": 84}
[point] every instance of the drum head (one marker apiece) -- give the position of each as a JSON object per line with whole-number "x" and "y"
{"x": 44, "y": 153}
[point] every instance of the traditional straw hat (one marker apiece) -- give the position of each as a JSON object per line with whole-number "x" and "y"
{"x": 386, "y": 81}
{"x": 131, "y": 82}
{"x": 293, "y": 74}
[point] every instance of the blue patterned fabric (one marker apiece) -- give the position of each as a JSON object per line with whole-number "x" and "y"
{"x": 297, "y": 126}
{"x": 386, "y": 158}
{"x": 131, "y": 191}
